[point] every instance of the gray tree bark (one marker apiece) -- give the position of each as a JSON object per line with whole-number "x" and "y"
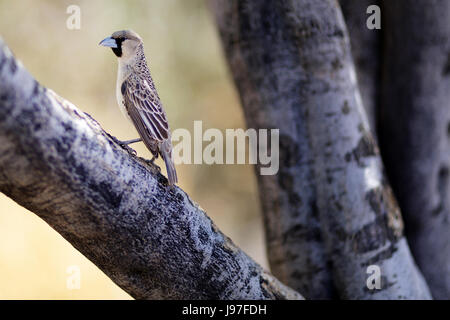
{"x": 150, "y": 239}
{"x": 292, "y": 65}
{"x": 366, "y": 52}
{"x": 414, "y": 128}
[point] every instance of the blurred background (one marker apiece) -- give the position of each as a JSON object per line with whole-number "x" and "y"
{"x": 189, "y": 70}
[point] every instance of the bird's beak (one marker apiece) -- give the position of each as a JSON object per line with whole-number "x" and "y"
{"x": 108, "y": 42}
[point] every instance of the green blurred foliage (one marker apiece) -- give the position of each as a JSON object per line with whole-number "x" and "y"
{"x": 190, "y": 73}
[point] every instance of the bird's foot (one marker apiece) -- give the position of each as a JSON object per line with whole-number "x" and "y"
{"x": 128, "y": 149}
{"x": 124, "y": 144}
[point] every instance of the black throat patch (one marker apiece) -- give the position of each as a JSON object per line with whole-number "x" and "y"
{"x": 118, "y": 51}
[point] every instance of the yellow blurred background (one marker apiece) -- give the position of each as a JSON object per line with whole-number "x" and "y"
{"x": 189, "y": 70}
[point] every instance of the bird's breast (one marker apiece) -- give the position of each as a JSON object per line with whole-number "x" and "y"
{"x": 121, "y": 76}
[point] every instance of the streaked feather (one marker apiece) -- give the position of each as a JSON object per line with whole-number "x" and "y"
{"x": 144, "y": 108}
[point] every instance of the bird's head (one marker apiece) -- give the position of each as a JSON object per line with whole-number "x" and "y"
{"x": 123, "y": 43}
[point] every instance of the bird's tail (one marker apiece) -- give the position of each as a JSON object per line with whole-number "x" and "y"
{"x": 170, "y": 167}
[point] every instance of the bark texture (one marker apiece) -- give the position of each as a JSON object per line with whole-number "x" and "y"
{"x": 292, "y": 65}
{"x": 414, "y": 128}
{"x": 117, "y": 210}
{"x": 366, "y": 52}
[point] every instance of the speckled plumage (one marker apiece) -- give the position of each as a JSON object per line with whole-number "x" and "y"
{"x": 138, "y": 99}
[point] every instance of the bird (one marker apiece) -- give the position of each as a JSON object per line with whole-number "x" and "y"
{"x": 138, "y": 99}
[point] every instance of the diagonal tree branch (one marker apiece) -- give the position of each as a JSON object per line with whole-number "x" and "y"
{"x": 150, "y": 239}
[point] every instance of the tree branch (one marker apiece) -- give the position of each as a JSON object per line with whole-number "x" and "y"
{"x": 150, "y": 239}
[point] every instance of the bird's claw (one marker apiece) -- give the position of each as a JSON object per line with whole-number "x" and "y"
{"x": 123, "y": 145}
{"x": 128, "y": 149}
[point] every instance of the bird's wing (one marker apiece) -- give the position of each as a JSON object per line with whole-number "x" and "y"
{"x": 145, "y": 110}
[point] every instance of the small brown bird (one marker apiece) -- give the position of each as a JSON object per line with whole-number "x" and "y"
{"x": 137, "y": 97}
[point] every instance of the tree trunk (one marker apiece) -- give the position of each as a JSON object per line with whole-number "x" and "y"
{"x": 292, "y": 65}
{"x": 118, "y": 211}
{"x": 414, "y": 128}
{"x": 263, "y": 63}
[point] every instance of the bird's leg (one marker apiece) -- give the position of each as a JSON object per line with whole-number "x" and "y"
{"x": 124, "y": 144}
{"x": 127, "y": 142}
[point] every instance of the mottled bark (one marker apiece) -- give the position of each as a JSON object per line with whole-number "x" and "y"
{"x": 117, "y": 210}
{"x": 292, "y": 66}
{"x": 414, "y": 128}
{"x": 366, "y": 52}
